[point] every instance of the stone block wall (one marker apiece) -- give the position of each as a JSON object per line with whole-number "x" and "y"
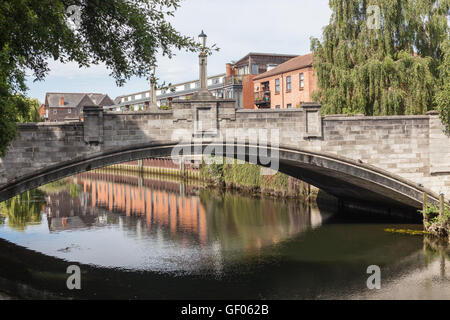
{"x": 39, "y": 145}
{"x": 413, "y": 147}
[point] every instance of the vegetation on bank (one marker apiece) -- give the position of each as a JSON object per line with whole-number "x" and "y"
{"x": 248, "y": 177}
{"x": 436, "y": 223}
{"x": 411, "y": 232}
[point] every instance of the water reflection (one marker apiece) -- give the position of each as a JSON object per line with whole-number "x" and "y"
{"x": 142, "y": 222}
{"x": 157, "y": 238}
{"x": 22, "y": 210}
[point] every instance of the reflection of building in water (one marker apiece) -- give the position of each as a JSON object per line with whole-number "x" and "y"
{"x": 144, "y": 205}
{"x": 160, "y": 204}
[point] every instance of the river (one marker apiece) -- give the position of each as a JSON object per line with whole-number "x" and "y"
{"x": 149, "y": 237}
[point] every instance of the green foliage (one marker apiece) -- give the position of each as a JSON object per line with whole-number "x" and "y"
{"x": 442, "y": 98}
{"x": 393, "y": 70}
{"x": 125, "y": 35}
{"x": 24, "y": 209}
{"x": 243, "y": 175}
{"x": 431, "y": 214}
{"x": 407, "y": 231}
{"x": 278, "y": 181}
{"x": 55, "y": 186}
{"x": 75, "y": 190}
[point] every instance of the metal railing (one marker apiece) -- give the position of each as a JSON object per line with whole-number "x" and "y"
{"x": 232, "y": 80}
{"x": 262, "y": 97}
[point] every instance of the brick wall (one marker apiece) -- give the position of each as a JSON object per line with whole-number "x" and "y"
{"x": 296, "y": 95}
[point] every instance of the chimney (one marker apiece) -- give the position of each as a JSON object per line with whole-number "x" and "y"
{"x": 228, "y": 69}
{"x": 61, "y": 101}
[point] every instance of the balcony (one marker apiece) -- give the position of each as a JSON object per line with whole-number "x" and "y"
{"x": 232, "y": 80}
{"x": 262, "y": 99}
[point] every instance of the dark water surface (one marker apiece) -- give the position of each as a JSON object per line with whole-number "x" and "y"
{"x": 149, "y": 237}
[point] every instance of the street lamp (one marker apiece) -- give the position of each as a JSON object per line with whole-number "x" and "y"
{"x": 202, "y": 37}
{"x": 153, "y": 105}
{"x": 152, "y": 70}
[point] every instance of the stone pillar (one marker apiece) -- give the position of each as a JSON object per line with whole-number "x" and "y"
{"x": 203, "y": 92}
{"x": 93, "y": 124}
{"x": 153, "y": 104}
{"x": 203, "y": 63}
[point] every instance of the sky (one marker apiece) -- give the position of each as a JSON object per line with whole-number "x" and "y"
{"x": 237, "y": 27}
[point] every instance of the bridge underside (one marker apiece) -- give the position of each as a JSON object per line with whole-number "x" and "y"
{"x": 343, "y": 178}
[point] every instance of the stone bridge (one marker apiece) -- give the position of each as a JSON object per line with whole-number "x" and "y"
{"x": 377, "y": 160}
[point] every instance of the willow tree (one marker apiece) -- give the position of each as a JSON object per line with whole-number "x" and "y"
{"x": 125, "y": 35}
{"x": 380, "y": 57}
{"x": 443, "y": 95}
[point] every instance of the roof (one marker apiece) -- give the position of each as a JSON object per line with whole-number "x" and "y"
{"x": 171, "y": 86}
{"x": 72, "y": 99}
{"x": 96, "y": 97}
{"x": 264, "y": 54}
{"x": 290, "y": 65}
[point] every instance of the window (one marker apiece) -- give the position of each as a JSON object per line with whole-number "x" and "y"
{"x": 302, "y": 81}
{"x": 197, "y": 84}
{"x": 271, "y": 66}
{"x": 187, "y": 86}
{"x": 277, "y": 106}
{"x": 289, "y": 105}
{"x": 277, "y": 85}
{"x": 243, "y": 70}
{"x": 163, "y": 91}
{"x": 215, "y": 81}
{"x": 288, "y": 83}
{"x": 254, "y": 68}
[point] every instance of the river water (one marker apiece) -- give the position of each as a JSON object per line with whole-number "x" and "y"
{"x": 139, "y": 237}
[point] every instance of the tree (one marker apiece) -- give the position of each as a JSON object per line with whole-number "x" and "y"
{"x": 380, "y": 57}
{"x": 123, "y": 34}
{"x": 443, "y": 95}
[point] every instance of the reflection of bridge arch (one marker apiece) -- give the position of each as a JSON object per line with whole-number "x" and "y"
{"x": 340, "y": 176}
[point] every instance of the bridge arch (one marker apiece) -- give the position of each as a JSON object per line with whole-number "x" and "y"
{"x": 339, "y": 176}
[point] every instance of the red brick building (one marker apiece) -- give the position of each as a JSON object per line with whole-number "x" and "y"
{"x": 247, "y": 68}
{"x": 287, "y": 85}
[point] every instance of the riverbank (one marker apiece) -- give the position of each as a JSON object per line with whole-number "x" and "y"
{"x": 246, "y": 178}
{"x": 436, "y": 220}
{"x": 255, "y": 180}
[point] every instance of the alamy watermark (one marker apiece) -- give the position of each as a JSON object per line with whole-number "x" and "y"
{"x": 374, "y": 280}
{"x": 373, "y": 14}
{"x": 74, "y": 280}
{"x": 253, "y": 145}
{"x": 73, "y": 17}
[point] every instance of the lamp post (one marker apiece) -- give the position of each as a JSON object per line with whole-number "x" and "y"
{"x": 203, "y": 90}
{"x": 153, "y": 105}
